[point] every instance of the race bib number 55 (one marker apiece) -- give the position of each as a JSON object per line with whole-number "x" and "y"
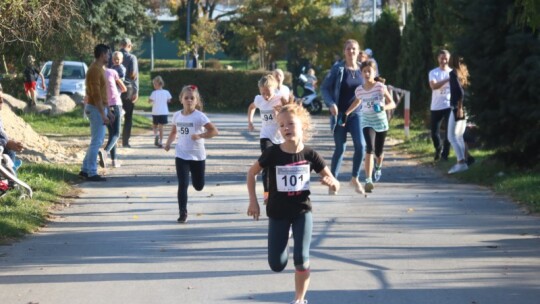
{"x": 292, "y": 178}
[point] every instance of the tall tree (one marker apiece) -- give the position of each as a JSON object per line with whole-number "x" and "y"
{"x": 504, "y": 64}
{"x": 384, "y": 38}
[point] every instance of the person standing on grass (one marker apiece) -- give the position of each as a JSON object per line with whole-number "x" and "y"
{"x": 159, "y": 99}
{"x": 289, "y": 165}
{"x": 268, "y": 103}
{"x": 459, "y": 80}
{"x": 132, "y": 84}
{"x": 31, "y": 74}
{"x": 190, "y": 127}
{"x": 375, "y": 100}
{"x": 96, "y": 110}
{"x": 115, "y": 86}
{"x": 439, "y": 79}
{"x": 338, "y": 93}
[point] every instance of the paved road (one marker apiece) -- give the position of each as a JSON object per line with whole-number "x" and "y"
{"x": 419, "y": 238}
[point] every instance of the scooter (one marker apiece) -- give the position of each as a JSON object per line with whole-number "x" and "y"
{"x": 309, "y": 100}
{"x": 8, "y": 177}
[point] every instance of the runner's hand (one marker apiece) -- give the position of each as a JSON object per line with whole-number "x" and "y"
{"x": 254, "y": 210}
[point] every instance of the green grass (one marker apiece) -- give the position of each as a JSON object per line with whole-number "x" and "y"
{"x": 522, "y": 185}
{"x": 73, "y": 123}
{"x": 51, "y": 185}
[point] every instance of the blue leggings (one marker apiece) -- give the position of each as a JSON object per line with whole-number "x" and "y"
{"x": 278, "y": 237}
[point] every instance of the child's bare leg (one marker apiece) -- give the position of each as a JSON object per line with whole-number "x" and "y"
{"x": 154, "y": 128}
{"x": 301, "y": 284}
{"x": 368, "y": 165}
{"x": 160, "y": 134}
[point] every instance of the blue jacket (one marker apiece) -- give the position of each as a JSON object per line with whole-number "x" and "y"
{"x": 331, "y": 85}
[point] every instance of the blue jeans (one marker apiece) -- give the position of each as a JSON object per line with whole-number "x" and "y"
{"x": 114, "y": 131}
{"x": 97, "y": 135}
{"x": 278, "y": 237}
{"x": 353, "y": 126}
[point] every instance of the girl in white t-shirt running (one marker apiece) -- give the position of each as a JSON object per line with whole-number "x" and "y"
{"x": 375, "y": 101}
{"x": 190, "y": 127}
{"x": 268, "y": 102}
{"x": 159, "y": 99}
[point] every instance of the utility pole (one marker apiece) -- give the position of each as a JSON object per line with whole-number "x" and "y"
{"x": 374, "y": 11}
{"x": 188, "y": 31}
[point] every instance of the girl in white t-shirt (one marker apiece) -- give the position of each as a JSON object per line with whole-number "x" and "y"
{"x": 268, "y": 102}
{"x": 190, "y": 127}
{"x": 375, "y": 101}
{"x": 160, "y": 110}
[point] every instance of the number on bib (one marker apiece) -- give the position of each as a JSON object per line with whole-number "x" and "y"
{"x": 292, "y": 178}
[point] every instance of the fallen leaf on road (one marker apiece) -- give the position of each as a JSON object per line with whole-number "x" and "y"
{"x": 410, "y": 210}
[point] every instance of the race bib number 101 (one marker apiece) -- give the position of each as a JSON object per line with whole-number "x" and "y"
{"x": 292, "y": 178}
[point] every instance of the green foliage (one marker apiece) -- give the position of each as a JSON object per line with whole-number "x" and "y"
{"x": 221, "y": 90}
{"x": 384, "y": 38}
{"x": 112, "y": 20}
{"x": 504, "y": 65}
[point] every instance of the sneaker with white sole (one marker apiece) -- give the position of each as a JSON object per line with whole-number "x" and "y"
{"x": 299, "y": 302}
{"x": 369, "y": 186}
{"x": 102, "y": 158}
{"x": 459, "y": 167}
{"x": 377, "y": 175}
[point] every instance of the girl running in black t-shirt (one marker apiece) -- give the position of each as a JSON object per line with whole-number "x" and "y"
{"x": 290, "y": 164}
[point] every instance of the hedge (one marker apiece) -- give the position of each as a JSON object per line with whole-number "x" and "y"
{"x": 221, "y": 90}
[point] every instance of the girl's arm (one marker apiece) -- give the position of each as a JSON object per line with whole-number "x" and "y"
{"x": 389, "y": 101}
{"x": 170, "y": 139}
{"x": 357, "y": 102}
{"x": 251, "y": 111}
{"x": 253, "y": 207}
{"x": 211, "y": 131}
{"x": 121, "y": 85}
{"x": 328, "y": 179}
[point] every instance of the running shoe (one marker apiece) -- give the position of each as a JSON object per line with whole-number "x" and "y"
{"x": 116, "y": 163}
{"x": 96, "y": 178}
{"x": 299, "y": 302}
{"x": 460, "y": 167}
{"x": 156, "y": 141}
{"x": 377, "y": 175}
{"x": 369, "y": 186}
{"x": 102, "y": 158}
{"x": 183, "y": 217}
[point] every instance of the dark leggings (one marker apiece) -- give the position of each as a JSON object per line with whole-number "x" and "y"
{"x": 278, "y": 237}
{"x": 374, "y": 141}
{"x": 437, "y": 119}
{"x": 128, "y": 119}
{"x": 265, "y": 144}
{"x": 183, "y": 168}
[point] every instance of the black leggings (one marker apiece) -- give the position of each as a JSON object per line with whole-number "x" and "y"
{"x": 265, "y": 144}
{"x": 439, "y": 118}
{"x": 374, "y": 141}
{"x": 183, "y": 168}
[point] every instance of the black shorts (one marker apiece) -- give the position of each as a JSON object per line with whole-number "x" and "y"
{"x": 160, "y": 119}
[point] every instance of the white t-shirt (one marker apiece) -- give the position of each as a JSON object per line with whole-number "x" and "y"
{"x": 187, "y": 148}
{"x": 440, "y": 98}
{"x": 284, "y": 91}
{"x": 160, "y": 98}
{"x": 371, "y": 119}
{"x": 269, "y": 126}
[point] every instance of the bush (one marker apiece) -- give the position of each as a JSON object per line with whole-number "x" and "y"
{"x": 221, "y": 90}
{"x": 213, "y": 64}
{"x": 14, "y": 86}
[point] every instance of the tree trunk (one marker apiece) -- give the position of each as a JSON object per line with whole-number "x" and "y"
{"x": 55, "y": 78}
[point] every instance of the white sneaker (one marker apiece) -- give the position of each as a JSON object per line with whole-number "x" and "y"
{"x": 299, "y": 302}
{"x": 377, "y": 175}
{"x": 459, "y": 167}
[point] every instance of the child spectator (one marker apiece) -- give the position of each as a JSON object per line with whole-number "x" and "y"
{"x": 160, "y": 110}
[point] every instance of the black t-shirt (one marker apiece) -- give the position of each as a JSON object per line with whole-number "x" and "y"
{"x": 288, "y": 176}
{"x": 30, "y": 74}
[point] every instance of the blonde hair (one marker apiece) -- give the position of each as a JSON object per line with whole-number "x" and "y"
{"x": 268, "y": 81}
{"x": 300, "y": 112}
{"x": 349, "y": 41}
{"x": 457, "y": 64}
{"x": 118, "y": 55}
{"x": 159, "y": 81}
{"x": 195, "y": 91}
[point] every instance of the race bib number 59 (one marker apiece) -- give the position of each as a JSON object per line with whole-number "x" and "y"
{"x": 292, "y": 178}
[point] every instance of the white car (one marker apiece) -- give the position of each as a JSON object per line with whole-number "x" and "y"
{"x": 72, "y": 82}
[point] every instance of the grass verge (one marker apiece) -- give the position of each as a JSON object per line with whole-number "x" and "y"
{"x": 51, "y": 185}
{"x": 73, "y": 123}
{"x": 522, "y": 185}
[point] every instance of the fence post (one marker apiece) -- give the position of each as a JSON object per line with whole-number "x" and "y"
{"x": 407, "y": 113}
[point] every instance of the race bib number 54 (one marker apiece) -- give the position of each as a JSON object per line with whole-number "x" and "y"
{"x": 292, "y": 178}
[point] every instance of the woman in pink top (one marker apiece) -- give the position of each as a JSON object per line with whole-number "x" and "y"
{"x": 115, "y": 86}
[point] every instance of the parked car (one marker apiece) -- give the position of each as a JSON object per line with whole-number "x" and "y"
{"x": 72, "y": 82}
